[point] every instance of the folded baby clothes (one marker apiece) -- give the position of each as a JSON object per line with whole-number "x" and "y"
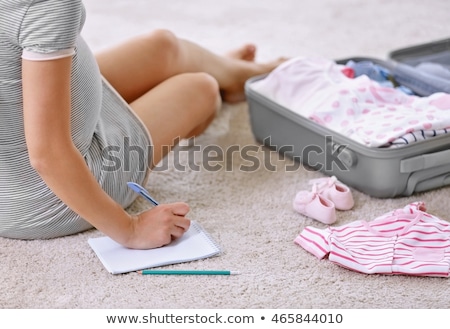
{"x": 377, "y": 73}
{"x": 424, "y": 79}
{"x": 359, "y": 108}
{"x": 406, "y": 241}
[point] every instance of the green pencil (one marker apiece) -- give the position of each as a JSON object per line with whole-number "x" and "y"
{"x": 187, "y": 272}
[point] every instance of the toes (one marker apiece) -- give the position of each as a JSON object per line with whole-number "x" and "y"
{"x": 246, "y": 52}
{"x": 249, "y": 52}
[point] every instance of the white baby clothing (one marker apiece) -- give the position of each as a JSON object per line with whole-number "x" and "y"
{"x": 359, "y": 108}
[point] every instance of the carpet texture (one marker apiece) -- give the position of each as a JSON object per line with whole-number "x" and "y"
{"x": 249, "y": 213}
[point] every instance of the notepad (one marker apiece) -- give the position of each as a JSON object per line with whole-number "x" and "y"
{"x": 195, "y": 244}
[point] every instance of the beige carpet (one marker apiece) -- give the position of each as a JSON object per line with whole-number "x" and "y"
{"x": 249, "y": 214}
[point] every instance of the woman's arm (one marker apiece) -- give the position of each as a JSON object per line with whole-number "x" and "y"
{"x": 47, "y": 107}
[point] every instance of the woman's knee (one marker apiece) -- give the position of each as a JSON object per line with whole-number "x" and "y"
{"x": 207, "y": 92}
{"x": 164, "y": 41}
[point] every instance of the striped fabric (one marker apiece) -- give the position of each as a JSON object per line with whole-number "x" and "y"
{"x": 104, "y": 129}
{"x": 406, "y": 241}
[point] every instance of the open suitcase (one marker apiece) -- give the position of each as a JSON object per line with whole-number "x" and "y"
{"x": 379, "y": 172}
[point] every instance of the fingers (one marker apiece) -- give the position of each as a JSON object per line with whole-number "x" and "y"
{"x": 180, "y": 225}
{"x": 179, "y": 208}
{"x": 174, "y": 220}
{"x": 183, "y": 223}
{"x": 160, "y": 225}
{"x": 177, "y": 232}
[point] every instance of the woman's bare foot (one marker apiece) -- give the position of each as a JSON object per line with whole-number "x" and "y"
{"x": 246, "y": 53}
{"x": 242, "y": 68}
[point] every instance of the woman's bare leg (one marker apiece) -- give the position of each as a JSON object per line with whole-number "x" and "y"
{"x": 176, "y": 86}
{"x": 137, "y": 66}
{"x": 179, "y": 107}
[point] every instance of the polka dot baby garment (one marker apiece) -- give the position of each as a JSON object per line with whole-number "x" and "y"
{"x": 358, "y": 108}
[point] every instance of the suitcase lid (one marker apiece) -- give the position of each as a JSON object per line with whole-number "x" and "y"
{"x": 435, "y": 52}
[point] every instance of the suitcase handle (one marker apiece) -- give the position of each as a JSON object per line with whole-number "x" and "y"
{"x": 425, "y": 180}
{"x": 425, "y": 161}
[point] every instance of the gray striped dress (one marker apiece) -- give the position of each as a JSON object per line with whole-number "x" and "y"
{"x": 113, "y": 141}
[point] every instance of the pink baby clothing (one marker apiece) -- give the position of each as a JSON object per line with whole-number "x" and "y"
{"x": 405, "y": 241}
{"x": 359, "y": 108}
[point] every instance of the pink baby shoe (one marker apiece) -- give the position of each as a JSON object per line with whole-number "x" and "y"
{"x": 313, "y": 205}
{"x": 335, "y": 191}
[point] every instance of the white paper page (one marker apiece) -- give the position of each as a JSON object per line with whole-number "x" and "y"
{"x": 193, "y": 245}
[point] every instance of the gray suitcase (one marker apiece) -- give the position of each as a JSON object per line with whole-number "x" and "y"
{"x": 379, "y": 172}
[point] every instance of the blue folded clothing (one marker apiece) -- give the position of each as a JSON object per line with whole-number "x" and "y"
{"x": 423, "y": 80}
{"x": 377, "y": 73}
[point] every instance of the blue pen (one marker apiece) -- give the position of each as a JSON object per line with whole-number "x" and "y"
{"x": 142, "y": 192}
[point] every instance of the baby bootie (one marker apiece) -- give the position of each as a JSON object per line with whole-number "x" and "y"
{"x": 335, "y": 191}
{"x": 313, "y": 205}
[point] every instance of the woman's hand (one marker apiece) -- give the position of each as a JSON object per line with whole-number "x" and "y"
{"x": 158, "y": 226}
